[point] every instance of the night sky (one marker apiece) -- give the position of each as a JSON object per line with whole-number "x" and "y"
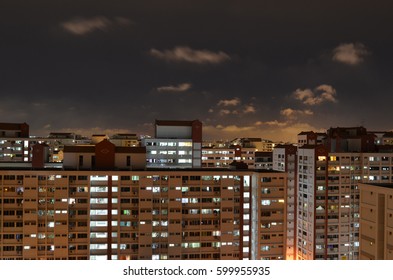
{"x": 249, "y": 68}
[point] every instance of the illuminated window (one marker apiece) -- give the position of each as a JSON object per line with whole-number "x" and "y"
{"x": 266, "y": 202}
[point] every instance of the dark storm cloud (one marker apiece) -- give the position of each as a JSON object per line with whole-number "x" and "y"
{"x": 120, "y": 64}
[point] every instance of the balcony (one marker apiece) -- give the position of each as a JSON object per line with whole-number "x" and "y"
{"x": 332, "y": 240}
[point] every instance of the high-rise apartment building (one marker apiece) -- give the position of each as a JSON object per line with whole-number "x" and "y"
{"x": 376, "y": 221}
{"x": 310, "y": 138}
{"x": 176, "y": 144}
{"x": 255, "y": 152}
{"x": 14, "y": 144}
{"x": 101, "y": 203}
{"x": 263, "y": 160}
{"x": 285, "y": 160}
{"x": 327, "y": 174}
{"x": 222, "y": 157}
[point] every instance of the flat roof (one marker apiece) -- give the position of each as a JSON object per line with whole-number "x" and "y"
{"x": 175, "y": 122}
{"x": 11, "y": 126}
{"x": 216, "y": 170}
{"x": 91, "y": 149}
{"x": 28, "y": 168}
{"x": 382, "y": 185}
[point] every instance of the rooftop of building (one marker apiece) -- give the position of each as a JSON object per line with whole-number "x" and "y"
{"x": 26, "y": 166}
{"x": 278, "y": 146}
{"x": 124, "y": 136}
{"x": 347, "y": 132}
{"x": 92, "y": 149}
{"x": 61, "y": 135}
{"x": 382, "y": 185}
{"x": 175, "y": 122}
{"x": 213, "y": 170}
{"x": 12, "y": 126}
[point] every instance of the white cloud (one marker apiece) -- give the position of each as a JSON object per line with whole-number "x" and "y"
{"x": 229, "y": 102}
{"x": 271, "y": 123}
{"x": 273, "y": 130}
{"x": 82, "y": 26}
{"x": 293, "y": 114}
{"x": 321, "y": 94}
{"x": 350, "y": 53}
{"x": 186, "y": 54}
{"x": 233, "y": 106}
{"x": 179, "y": 88}
{"x": 288, "y": 112}
{"x": 225, "y": 112}
{"x": 235, "y": 128}
{"x": 249, "y": 109}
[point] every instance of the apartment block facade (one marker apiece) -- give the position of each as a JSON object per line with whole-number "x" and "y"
{"x": 14, "y": 144}
{"x": 328, "y": 205}
{"x": 327, "y": 172}
{"x": 376, "y": 221}
{"x": 176, "y": 144}
{"x": 223, "y": 157}
{"x": 162, "y": 214}
{"x": 255, "y": 152}
{"x": 101, "y": 203}
{"x": 285, "y": 160}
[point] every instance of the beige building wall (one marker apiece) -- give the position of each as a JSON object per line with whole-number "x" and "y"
{"x": 376, "y": 221}
{"x": 285, "y": 159}
{"x": 270, "y": 194}
{"x": 57, "y": 214}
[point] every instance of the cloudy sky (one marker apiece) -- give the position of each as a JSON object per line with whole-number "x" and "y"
{"x": 250, "y": 68}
